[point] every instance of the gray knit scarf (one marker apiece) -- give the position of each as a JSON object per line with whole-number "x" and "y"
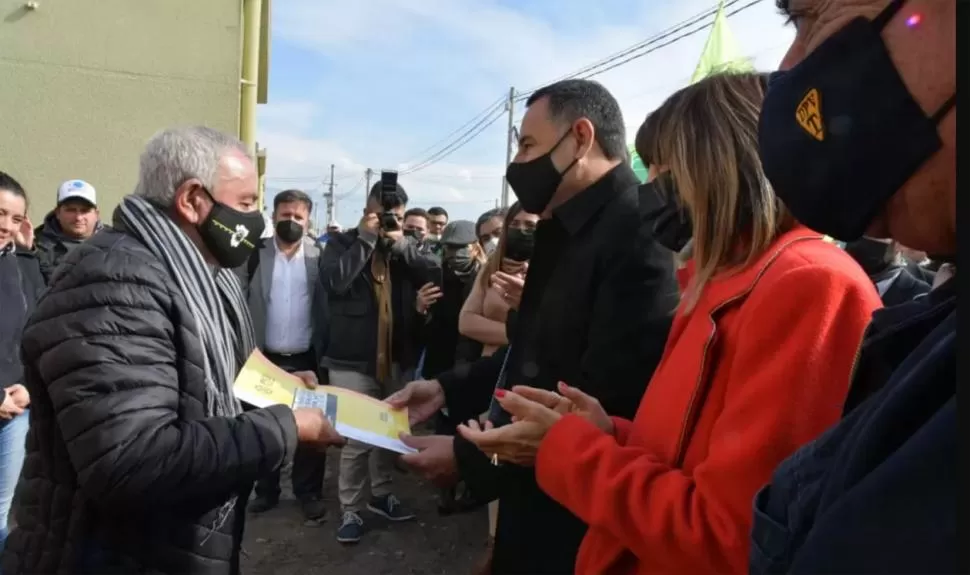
{"x": 215, "y": 299}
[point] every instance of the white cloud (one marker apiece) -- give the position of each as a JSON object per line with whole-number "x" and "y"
{"x": 294, "y": 117}
{"x": 458, "y": 50}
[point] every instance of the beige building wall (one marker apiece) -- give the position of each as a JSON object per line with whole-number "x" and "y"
{"x": 85, "y": 83}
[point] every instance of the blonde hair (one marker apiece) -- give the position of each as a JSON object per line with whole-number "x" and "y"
{"x": 707, "y": 137}
{"x": 494, "y": 262}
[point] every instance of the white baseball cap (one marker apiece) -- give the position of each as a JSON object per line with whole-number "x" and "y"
{"x": 77, "y": 189}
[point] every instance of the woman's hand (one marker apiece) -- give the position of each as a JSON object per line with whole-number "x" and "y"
{"x": 25, "y": 234}
{"x": 519, "y": 441}
{"x": 13, "y": 396}
{"x": 572, "y": 400}
{"x": 515, "y": 268}
{"x": 509, "y": 287}
{"x": 427, "y": 296}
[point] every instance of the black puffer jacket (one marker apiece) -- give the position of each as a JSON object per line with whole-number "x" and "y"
{"x": 124, "y": 472}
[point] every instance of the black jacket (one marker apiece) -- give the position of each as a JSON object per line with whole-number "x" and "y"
{"x": 21, "y": 284}
{"x": 896, "y": 285}
{"x": 51, "y": 245}
{"x": 349, "y": 285}
{"x": 444, "y": 347}
{"x": 124, "y": 472}
{"x": 597, "y": 307}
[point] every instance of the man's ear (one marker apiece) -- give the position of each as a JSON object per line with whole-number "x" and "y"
{"x": 188, "y": 203}
{"x": 585, "y": 136}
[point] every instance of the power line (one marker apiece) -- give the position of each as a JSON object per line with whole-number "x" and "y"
{"x": 488, "y": 116}
{"x": 458, "y": 143}
{"x": 668, "y": 43}
{"x": 649, "y": 46}
{"x": 652, "y": 39}
{"x": 478, "y": 117}
{"x": 349, "y": 192}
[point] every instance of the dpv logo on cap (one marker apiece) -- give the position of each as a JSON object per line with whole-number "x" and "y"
{"x": 809, "y": 115}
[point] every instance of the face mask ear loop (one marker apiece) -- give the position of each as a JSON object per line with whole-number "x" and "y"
{"x": 887, "y": 14}
{"x": 944, "y": 109}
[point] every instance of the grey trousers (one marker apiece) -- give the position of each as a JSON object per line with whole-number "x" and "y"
{"x": 360, "y": 464}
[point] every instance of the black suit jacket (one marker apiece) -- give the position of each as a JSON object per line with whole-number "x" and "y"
{"x": 595, "y": 313}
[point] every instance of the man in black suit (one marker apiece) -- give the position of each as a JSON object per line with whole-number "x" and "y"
{"x": 594, "y": 310}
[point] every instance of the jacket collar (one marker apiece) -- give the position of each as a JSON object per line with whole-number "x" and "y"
{"x": 580, "y": 209}
{"x": 724, "y": 289}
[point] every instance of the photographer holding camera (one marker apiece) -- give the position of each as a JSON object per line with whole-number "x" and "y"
{"x": 371, "y": 275}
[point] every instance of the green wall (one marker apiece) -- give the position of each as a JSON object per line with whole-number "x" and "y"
{"x": 85, "y": 83}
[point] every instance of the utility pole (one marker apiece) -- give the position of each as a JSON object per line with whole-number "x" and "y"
{"x": 331, "y": 204}
{"x": 509, "y": 107}
{"x": 367, "y": 176}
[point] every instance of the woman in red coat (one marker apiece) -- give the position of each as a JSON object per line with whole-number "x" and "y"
{"x": 757, "y": 363}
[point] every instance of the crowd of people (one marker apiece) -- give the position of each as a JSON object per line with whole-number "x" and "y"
{"x": 746, "y": 363}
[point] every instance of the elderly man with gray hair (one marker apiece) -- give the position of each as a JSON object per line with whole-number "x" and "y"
{"x": 139, "y": 457}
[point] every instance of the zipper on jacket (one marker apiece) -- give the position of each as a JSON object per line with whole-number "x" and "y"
{"x": 700, "y": 389}
{"x": 687, "y": 425}
{"x": 855, "y": 361}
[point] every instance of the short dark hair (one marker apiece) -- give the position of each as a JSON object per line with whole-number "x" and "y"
{"x": 10, "y": 184}
{"x": 438, "y": 211}
{"x": 416, "y": 212}
{"x": 483, "y": 219}
{"x": 402, "y": 196}
{"x": 288, "y": 196}
{"x": 570, "y": 100}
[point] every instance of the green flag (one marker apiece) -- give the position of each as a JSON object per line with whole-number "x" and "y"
{"x": 721, "y": 52}
{"x": 638, "y": 168}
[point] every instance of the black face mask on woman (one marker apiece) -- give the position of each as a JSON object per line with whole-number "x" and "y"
{"x": 873, "y": 256}
{"x": 672, "y": 225}
{"x": 519, "y": 244}
{"x": 230, "y": 235}
{"x": 535, "y": 182}
{"x": 840, "y": 133}
{"x": 289, "y": 231}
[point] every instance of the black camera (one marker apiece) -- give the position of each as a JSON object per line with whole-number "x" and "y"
{"x": 390, "y": 199}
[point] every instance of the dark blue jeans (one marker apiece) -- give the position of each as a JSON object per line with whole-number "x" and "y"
{"x": 13, "y": 438}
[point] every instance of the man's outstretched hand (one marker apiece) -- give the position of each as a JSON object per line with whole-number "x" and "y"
{"x": 422, "y": 398}
{"x": 313, "y": 428}
{"x": 435, "y": 460}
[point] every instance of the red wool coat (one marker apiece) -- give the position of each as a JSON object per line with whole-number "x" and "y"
{"x": 758, "y": 368}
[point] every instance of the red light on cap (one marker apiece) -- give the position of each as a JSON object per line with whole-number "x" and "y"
{"x": 914, "y": 20}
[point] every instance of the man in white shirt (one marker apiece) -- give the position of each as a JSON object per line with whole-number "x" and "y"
{"x": 289, "y": 319}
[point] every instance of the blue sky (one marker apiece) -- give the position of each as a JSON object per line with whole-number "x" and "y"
{"x": 378, "y": 83}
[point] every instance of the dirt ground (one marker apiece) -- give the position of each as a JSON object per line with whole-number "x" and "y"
{"x": 278, "y": 543}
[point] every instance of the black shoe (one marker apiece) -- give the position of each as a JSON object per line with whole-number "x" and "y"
{"x": 351, "y": 528}
{"x": 390, "y": 508}
{"x": 263, "y": 504}
{"x": 456, "y": 500}
{"x": 446, "y": 501}
{"x": 314, "y": 510}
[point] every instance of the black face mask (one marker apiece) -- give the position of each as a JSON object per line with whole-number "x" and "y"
{"x": 460, "y": 261}
{"x": 874, "y": 256}
{"x": 672, "y": 225}
{"x": 415, "y": 234}
{"x": 289, "y": 231}
{"x": 535, "y": 182}
{"x": 840, "y": 133}
{"x": 230, "y": 235}
{"x": 519, "y": 244}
